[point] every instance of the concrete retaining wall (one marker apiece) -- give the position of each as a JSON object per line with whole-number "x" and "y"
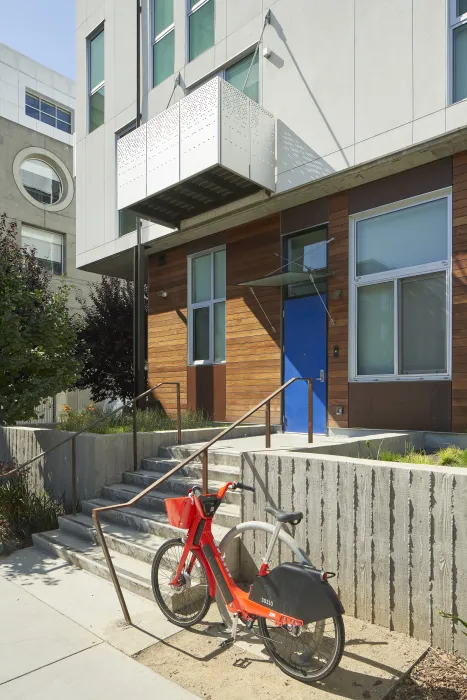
{"x": 101, "y": 459}
{"x": 396, "y": 535}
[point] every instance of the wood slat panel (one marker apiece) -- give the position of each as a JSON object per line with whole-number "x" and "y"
{"x": 459, "y": 277}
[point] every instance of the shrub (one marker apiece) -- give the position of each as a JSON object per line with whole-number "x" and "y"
{"x": 122, "y": 422}
{"x": 453, "y": 456}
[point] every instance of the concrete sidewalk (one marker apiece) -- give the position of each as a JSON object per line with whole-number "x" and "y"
{"x": 45, "y": 653}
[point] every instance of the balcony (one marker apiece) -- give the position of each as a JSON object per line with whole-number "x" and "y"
{"x": 212, "y": 148}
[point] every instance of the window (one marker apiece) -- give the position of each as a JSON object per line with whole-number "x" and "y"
{"x": 458, "y": 29}
{"x": 200, "y": 26}
{"x": 164, "y": 41}
{"x": 41, "y": 181}
{"x": 207, "y": 307}
{"x": 48, "y": 247}
{"x": 238, "y": 73}
{"x": 400, "y": 289}
{"x": 47, "y": 112}
{"x": 126, "y": 219}
{"x": 96, "y": 81}
{"x": 307, "y": 251}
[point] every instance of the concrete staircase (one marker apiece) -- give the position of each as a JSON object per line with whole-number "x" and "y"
{"x": 134, "y": 534}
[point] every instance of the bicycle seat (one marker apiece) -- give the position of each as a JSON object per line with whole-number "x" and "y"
{"x": 283, "y": 517}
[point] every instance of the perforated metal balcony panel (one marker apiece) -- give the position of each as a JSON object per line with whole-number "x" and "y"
{"x": 213, "y": 147}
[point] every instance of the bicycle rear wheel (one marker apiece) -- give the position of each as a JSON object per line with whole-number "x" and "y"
{"x": 310, "y": 656}
{"x": 187, "y": 603}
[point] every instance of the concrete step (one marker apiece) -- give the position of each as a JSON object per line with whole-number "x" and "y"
{"x": 126, "y": 540}
{"x": 228, "y": 514}
{"x": 143, "y": 520}
{"x": 133, "y": 574}
{"x": 220, "y": 458}
{"x": 178, "y": 485}
{"x": 220, "y": 473}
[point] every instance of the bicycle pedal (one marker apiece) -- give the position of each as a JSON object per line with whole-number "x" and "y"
{"x": 226, "y": 643}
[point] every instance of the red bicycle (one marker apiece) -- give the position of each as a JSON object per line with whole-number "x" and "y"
{"x": 298, "y": 613}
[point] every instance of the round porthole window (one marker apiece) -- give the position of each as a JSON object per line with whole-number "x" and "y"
{"x": 41, "y": 181}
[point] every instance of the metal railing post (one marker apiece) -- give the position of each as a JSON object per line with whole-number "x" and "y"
{"x": 204, "y": 462}
{"x": 108, "y": 559}
{"x": 268, "y": 424}
{"x": 179, "y": 417}
{"x": 135, "y": 440}
{"x": 310, "y": 410}
{"x": 73, "y": 476}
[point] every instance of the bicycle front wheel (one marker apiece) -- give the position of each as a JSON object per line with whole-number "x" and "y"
{"x": 186, "y": 603}
{"x": 310, "y": 656}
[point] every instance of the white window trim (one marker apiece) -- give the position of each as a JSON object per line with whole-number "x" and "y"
{"x": 62, "y": 238}
{"x": 202, "y": 304}
{"x": 47, "y": 100}
{"x": 156, "y": 39}
{"x": 391, "y": 275}
{"x": 92, "y": 91}
{"x": 191, "y": 11}
{"x": 454, "y": 23}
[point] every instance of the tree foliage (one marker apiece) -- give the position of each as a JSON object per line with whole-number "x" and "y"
{"x": 106, "y": 340}
{"x": 37, "y": 333}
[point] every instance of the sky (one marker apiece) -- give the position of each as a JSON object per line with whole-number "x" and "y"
{"x": 43, "y": 30}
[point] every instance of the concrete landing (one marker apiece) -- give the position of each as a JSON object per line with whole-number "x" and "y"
{"x": 279, "y": 441}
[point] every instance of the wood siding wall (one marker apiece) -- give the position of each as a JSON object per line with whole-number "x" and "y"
{"x": 167, "y": 326}
{"x": 459, "y": 292}
{"x": 253, "y": 348}
{"x": 338, "y": 263}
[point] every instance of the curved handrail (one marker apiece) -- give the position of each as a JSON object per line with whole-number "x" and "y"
{"x": 73, "y": 437}
{"x": 204, "y": 452}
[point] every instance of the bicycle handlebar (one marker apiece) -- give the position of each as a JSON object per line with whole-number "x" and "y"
{"x": 244, "y": 487}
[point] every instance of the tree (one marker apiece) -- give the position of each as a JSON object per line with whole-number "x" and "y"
{"x": 37, "y": 333}
{"x": 106, "y": 341}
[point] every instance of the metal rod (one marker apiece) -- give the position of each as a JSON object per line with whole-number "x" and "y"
{"x": 73, "y": 475}
{"x": 179, "y": 417}
{"x": 204, "y": 461}
{"x": 108, "y": 559}
{"x": 268, "y": 424}
{"x": 310, "y": 410}
{"x": 135, "y": 440}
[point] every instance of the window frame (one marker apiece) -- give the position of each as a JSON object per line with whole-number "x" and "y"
{"x": 189, "y": 12}
{"x": 356, "y": 281}
{"x": 159, "y": 37}
{"x": 62, "y": 246}
{"x": 192, "y": 306}
{"x": 92, "y": 91}
{"x": 454, "y": 23}
{"x": 47, "y": 100}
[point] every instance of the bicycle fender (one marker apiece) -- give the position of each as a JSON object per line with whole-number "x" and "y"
{"x": 297, "y": 590}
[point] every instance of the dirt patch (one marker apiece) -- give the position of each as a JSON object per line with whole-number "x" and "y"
{"x": 374, "y": 660}
{"x": 438, "y": 676}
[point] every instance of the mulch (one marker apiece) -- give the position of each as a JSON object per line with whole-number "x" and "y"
{"x": 438, "y": 676}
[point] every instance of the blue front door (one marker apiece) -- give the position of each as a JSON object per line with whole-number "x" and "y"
{"x": 305, "y": 356}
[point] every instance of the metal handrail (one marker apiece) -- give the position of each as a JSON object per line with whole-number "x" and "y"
{"x": 73, "y": 437}
{"x": 203, "y": 451}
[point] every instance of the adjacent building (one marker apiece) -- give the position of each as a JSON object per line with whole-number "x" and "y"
{"x": 301, "y": 169}
{"x": 37, "y": 187}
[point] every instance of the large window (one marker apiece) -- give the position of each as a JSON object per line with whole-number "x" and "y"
{"x": 245, "y": 70}
{"x": 48, "y": 247}
{"x": 400, "y": 289}
{"x": 41, "y": 181}
{"x": 458, "y": 29}
{"x": 207, "y": 307}
{"x": 163, "y": 40}
{"x": 47, "y": 112}
{"x": 96, "y": 81}
{"x": 200, "y": 26}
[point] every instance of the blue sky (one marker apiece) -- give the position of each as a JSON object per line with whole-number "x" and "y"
{"x": 41, "y": 29}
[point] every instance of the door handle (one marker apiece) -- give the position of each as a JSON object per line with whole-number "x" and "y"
{"x": 321, "y": 376}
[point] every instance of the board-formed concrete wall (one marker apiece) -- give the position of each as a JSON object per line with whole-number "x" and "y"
{"x": 395, "y": 534}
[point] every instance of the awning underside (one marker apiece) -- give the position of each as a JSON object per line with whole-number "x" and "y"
{"x": 286, "y": 278}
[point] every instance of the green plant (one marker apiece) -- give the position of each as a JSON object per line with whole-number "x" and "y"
{"x": 410, "y": 457}
{"x": 454, "y": 618}
{"x": 122, "y": 422}
{"x": 24, "y": 511}
{"x": 37, "y": 333}
{"x": 452, "y": 456}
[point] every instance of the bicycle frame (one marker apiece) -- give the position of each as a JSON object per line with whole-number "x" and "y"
{"x": 201, "y": 541}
